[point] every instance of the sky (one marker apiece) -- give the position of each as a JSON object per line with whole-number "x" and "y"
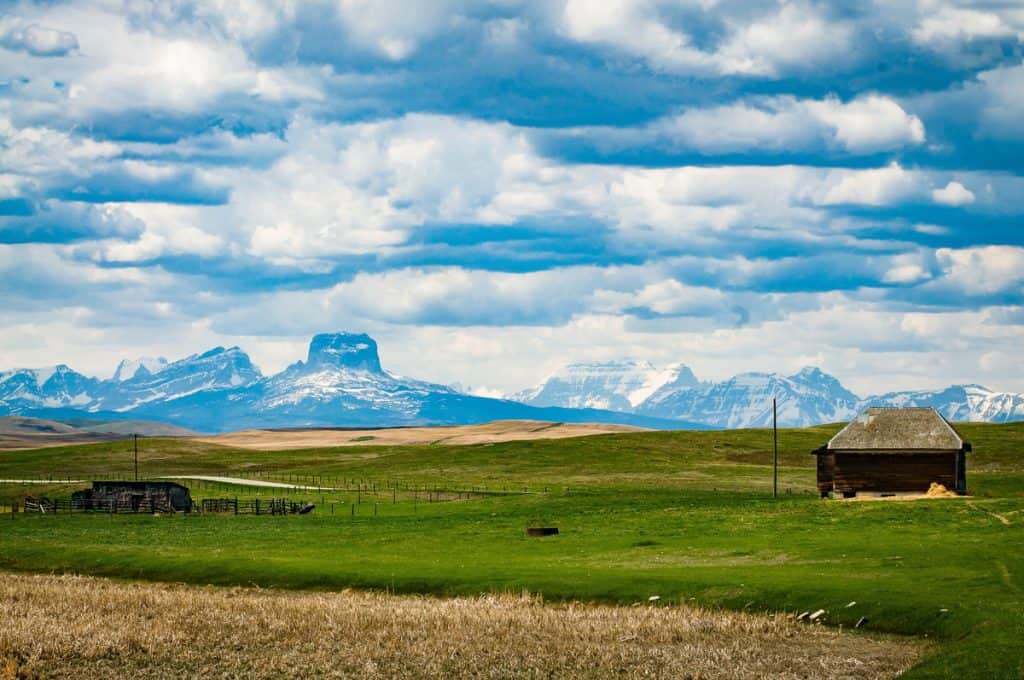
{"x": 495, "y": 189}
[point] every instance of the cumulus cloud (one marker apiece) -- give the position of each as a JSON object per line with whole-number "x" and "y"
{"x": 955, "y": 23}
{"x": 789, "y": 40}
{"x": 391, "y": 27}
{"x": 779, "y": 125}
{"x": 953, "y": 193}
{"x": 53, "y": 221}
{"x": 870, "y": 123}
{"x": 166, "y": 234}
{"x": 359, "y": 188}
{"x": 634, "y": 28}
{"x": 769, "y": 44}
{"x": 1002, "y": 105}
{"x": 36, "y": 40}
{"x": 452, "y": 296}
{"x": 982, "y": 270}
{"x": 882, "y": 186}
{"x": 37, "y": 150}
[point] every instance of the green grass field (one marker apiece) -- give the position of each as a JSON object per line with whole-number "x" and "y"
{"x": 682, "y": 515}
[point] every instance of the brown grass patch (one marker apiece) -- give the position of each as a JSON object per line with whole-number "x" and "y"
{"x": 68, "y": 626}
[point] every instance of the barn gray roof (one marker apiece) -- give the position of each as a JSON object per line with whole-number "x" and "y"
{"x": 897, "y": 428}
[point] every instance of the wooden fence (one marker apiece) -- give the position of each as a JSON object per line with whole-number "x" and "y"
{"x": 120, "y": 506}
{"x": 256, "y": 506}
{"x": 117, "y": 505}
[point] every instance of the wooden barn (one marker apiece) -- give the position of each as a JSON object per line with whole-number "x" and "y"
{"x": 893, "y": 450}
{"x": 124, "y": 496}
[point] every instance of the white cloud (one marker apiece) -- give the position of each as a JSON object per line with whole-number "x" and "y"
{"x": 982, "y": 270}
{"x": 954, "y": 23}
{"x": 394, "y": 28}
{"x": 1002, "y": 109}
{"x": 790, "y": 40}
{"x": 633, "y": 28}
{"x": 868, "y": 124}
{"x": 455, "y": 296}
{"x": 36, "y": 40}
{"x": 953, "y": 193}
{"x": 909, "y": 268}
{"x": 41, "y": 151}
{"x": 360, "y": 188}
{"x": 125, "y": 66}
{"x": 881, "y": 186}
{"x": 670, "y": 297}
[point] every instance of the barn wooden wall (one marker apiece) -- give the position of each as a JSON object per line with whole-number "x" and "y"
{"x": 893, "y": 472}
{"x": 826, "y": 461}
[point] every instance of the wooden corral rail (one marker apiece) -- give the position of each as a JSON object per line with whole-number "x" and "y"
{"x": 274, "y": 506}
{"x": 119, "y": 505}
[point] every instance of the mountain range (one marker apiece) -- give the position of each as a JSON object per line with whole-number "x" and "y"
{"x": 342, "y": 383}
{"x": 808, "y": 397}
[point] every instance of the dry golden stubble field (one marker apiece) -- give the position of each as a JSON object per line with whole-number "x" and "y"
{"x": 70, "y": 626}
{"x": 493, "y": 432}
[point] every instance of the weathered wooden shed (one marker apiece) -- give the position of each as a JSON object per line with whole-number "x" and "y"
{"x": 132, "y": 496}
{"x": 891, "y": 450}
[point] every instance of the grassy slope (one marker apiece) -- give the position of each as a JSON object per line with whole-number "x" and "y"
{"x": 673, "y": 514}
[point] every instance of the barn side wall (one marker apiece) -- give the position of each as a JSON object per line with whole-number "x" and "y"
{"x": 894, "y": 472}
{"x": 826, "y": 463}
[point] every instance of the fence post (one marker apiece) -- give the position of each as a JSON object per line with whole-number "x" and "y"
{"x": 236, "y": 505}
{"x": 353, "y": 511}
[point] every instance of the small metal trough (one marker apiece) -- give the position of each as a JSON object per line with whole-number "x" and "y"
{"x": 542, "y": 531}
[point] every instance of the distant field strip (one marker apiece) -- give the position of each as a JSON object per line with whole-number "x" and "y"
{"x": 42, "y": 481}
{"x": 74, "y": 627}
{"x": 241, "y": 481}
{"x": 487, "y": 433}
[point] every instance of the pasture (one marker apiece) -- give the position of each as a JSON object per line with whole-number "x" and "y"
{"x": 684, "y": 516}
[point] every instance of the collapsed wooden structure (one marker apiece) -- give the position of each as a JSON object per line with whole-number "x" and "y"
{"x": 133, "y": 496}
{"x": 893, "y": 450}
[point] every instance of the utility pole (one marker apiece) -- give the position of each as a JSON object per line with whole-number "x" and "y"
{"x": 135, "y": 441}
{"x": 775, "y": 451}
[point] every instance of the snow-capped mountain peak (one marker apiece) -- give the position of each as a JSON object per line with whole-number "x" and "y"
{"x": 807, "y": 397}
{"x": 48, "y": 387}
{"x": 131, "y": 368}
{"x": 215, "y": 369}
{"x": 974, "y": 403}
{"x": 617, "y": 385}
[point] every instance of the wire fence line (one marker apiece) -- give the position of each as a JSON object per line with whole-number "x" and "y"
{"x": 308, "y": 481}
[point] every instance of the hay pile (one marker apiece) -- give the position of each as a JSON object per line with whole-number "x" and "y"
{"x": 939, "y": 491}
